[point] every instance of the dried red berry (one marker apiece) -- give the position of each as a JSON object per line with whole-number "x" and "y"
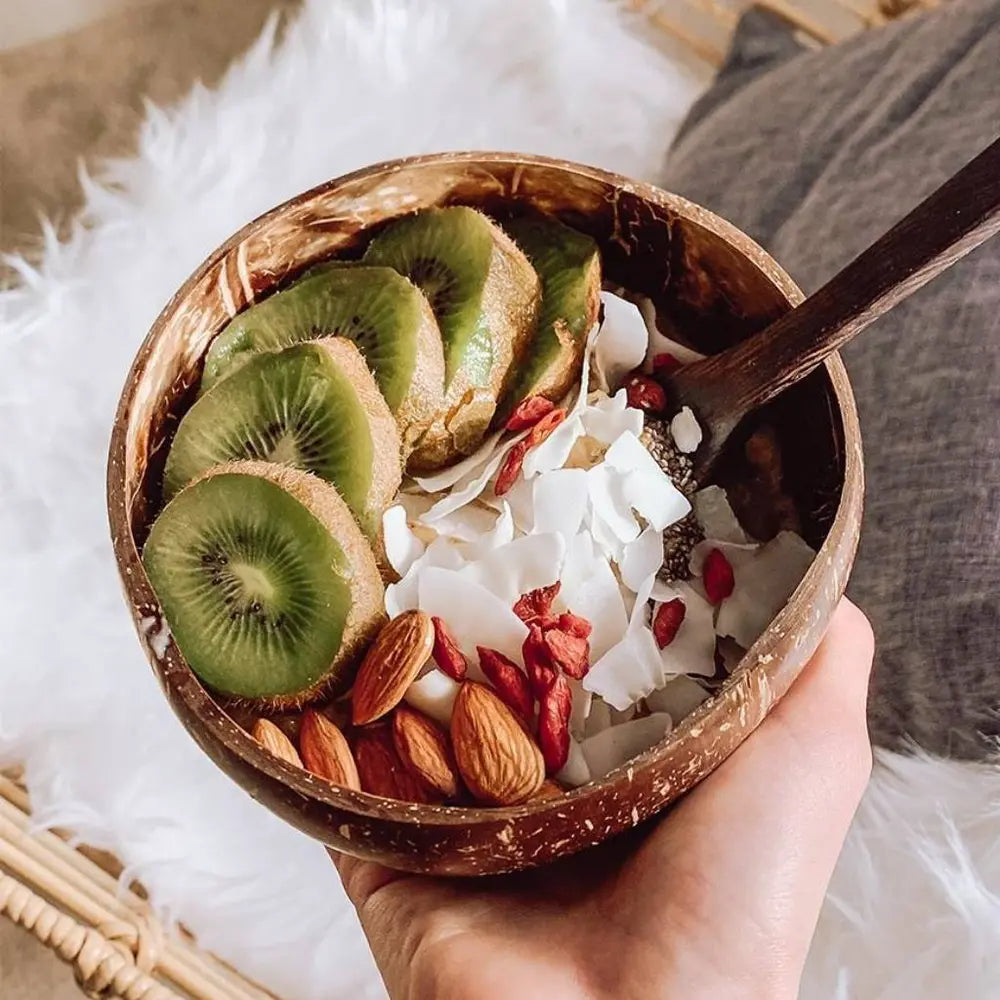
{"x": 574, "y": 625}
{"x": 537, "y": 661}
{"x": 553, "y": 725}
{"x": 717, "y": 575}
{"x": 511, "y": 468}
{"x": 667, "y": 621}
{"x": 536, "y": 604}
{"x": 665, "y": 362}
{"x": 508, "y": 681}
{"x": 447, "y": 654}
{"x": 528, "y": 412}
{"x": 545, "y": 427}
{"x": 569, "y": 652}
{"x": 645, "y": 393}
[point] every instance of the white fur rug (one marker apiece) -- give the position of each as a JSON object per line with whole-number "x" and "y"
{"x": 914, "y": 911}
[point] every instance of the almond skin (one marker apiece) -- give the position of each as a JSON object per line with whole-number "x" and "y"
{"x": 325, "y": 751}
{"x": 382, "y": 772}
{"x": 549, "y": 790}
{"x": 423, "y": 747}
{"x": 391, "y": 664}
{"x": 498, "y": 761}
{"x": 272, "y": 739}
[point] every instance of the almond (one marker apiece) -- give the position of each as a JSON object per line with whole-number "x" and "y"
{"x": 325, "y": 751}
{"x": 548, "y": 790}
{"x": 272, "y": 739}
{"x": 382, "y": 772}
{"x": 497, "y": 759}
{"x": 423, "y": 747}
{"x": 391, "y": 664}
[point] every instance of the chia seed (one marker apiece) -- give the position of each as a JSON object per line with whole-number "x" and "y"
{"x": 680, "y": 538}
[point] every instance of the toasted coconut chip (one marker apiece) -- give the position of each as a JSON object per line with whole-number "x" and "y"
{"x": 465, "y": 468}
{"x": 582, "y": 701}
{"x": 642, "y": 558}
{"x": 686, "y": 431}
{"x": 692, "y": 650}
{"x": 764, "y": 583}
{"x": 716, "y": 516}
{"x": 590, "y": 589}
{"x": 575, "y": 772}
{"x": 645, "y": 486}
{"x": 659, "y": 343}
{"x": 402, "y": 547}
{"x": 403, "y": 596}
{"x": 524, "y": 564}
{"x": 475, "y": 615}
{"x": 678, "y": 698}
{"x": 554, "y": 450}
{"x": 434, "y": 694}
{"x": 610, "y": 417}
{"x": 613, "y": 747}
{"x": 622, "y": 341}
{"x": 559, "y": 501}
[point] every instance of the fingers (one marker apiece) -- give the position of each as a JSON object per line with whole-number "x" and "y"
{"x": 755, "y": 843}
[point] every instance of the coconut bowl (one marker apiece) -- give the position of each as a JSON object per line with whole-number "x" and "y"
{"x": 709, "y": 282}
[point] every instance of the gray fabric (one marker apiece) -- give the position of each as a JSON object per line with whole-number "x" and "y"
{"x": 815, "y": 155}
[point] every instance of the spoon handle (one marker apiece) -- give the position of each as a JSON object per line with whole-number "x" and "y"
{"x": 956, "y": 218}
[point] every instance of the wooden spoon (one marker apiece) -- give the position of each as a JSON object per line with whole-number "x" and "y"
{"x": 724, "y": 388}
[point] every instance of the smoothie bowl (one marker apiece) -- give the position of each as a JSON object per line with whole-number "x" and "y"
{"x": 407, "y": 526}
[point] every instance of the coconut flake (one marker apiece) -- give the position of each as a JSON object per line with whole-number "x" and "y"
{"x": 475, "y": 615}
{"x": 582, "y": 701}
{"x": 693, "y": 648}
{"x": 615, "y": 746}
{"x": 403, "y": 596}
{"x": 599, "y": 718}
{"x": 467, "y": 467}
{"x": 644, "y": 486}
{"x": 610, "y": 416}
{"x": 559, "y": 501}
{"x": 737, "y": 554}
{"x": 467, "y": 489}
{"x": 764, "y": 583}
{"x": 554, "y": 450}
{"x": 642, "y": 558}
{"x": 686, "y": 431}
{"x": 589, "y": 589}
{"x": 658, "y": 342}
{"x": 679, "y": 697}
{"x": 575, "y": 772}
{"x": 622, "y": 341}
{"x": 716, "y": 516}
{"x": 402, "y": 547}
{"x": 467, "y": 524}
{"x": 628, "y": 671}
{"x": 524, "y": 564}
{"x": 434, "y": 694}
{"x": 501, "y": 533}
{"x": 610, "y": 507}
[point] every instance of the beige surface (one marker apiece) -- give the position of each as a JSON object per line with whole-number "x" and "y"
{"x": 80, "y": 95}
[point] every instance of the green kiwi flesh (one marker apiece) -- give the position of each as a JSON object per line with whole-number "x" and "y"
{"x": 266, "y": 583}
{"x": 485, "y": 295}
{"x": 378, "y": 309}
{"x": 312, "y": 406}
{"x": 569, "y": 265}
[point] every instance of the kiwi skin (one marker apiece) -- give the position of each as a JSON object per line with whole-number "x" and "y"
{"x": 509, "y": 308}
{"x": 366, "y": 615}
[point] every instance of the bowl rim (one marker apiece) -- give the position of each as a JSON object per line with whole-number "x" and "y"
{"x": 177, "y": 678}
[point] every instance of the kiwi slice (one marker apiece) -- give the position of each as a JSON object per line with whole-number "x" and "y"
{"x": 270, "y": 590}
{"x": 485, "y": 294}
{"x": 381, "y": 311}
{"x": 569, "y": 265}
{"x": 313, "y": 406}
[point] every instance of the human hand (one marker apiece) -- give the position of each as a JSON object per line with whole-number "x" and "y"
{"x": 718, "y": 900}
